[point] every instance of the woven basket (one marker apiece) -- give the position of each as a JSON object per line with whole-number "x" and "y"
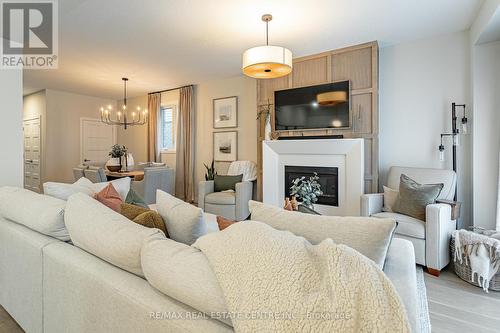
{"x": 464, "y": 272}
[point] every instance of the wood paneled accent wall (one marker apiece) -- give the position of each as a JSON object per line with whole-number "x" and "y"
{"x": 359, "y": 64}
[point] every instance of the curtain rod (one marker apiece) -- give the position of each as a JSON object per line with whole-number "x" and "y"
{"x": 161, "y": 91}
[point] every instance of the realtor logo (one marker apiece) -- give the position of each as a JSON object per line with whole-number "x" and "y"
{"x": 29, "y": 34}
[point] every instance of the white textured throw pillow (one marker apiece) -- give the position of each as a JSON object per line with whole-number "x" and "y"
{"x": 368, "y": 235}
{"x": 390, "y": 197}
{"x": 63, "y": 191}
{"x": 184, "y": 222}
{"x": 106, "y": 234}
{"x": 38, "y": 212}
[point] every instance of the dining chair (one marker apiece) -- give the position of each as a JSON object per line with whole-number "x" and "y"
{"x": 155, "y": 178}
{"x": 95, "y": 174}
{"x": 78, "y": 172}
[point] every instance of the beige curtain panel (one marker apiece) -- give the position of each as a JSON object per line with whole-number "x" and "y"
{"x": 184, "y": 172}
{"x": 154, "y": 101}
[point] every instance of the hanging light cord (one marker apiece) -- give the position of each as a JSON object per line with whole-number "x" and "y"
{"x": 267, "y": 33}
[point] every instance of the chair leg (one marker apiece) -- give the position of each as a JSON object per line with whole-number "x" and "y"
{"x": 433, "y": 271}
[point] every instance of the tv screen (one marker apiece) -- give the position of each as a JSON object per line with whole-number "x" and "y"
{"x": 322, "y": 106}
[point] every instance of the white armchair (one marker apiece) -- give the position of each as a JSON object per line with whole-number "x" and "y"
{"x": 231, "y": 205}
{"x": 430, "y": 238}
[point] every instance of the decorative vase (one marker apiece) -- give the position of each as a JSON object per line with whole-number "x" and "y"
{"x": 114, "y": 164}
{"x": 267, "y": 128}
{"x": 128, "y": 162}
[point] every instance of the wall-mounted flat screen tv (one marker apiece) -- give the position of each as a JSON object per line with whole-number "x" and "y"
{"x": 322, "y": 106}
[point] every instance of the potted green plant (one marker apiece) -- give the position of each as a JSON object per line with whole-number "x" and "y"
{"x": 114, "y": 164}
{"x": 210, "y": 174}
{"x": 307, "y": 190}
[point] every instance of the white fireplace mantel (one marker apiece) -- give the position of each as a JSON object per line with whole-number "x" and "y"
{"x": 345, "y": 154}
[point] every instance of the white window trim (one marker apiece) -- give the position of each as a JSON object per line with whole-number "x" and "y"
{"x": 174, "y": 118}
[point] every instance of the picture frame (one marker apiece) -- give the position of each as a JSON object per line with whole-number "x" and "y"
{"x": 225, "y": 111}
{"x": 225, "y": 145}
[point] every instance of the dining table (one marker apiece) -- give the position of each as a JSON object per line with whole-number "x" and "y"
{"x": 136, "y": 175}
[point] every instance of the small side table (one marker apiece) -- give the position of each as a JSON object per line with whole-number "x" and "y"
{"x": 455, "y": 207}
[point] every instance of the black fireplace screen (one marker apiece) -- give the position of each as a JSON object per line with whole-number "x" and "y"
{"x": 328, "y": 178}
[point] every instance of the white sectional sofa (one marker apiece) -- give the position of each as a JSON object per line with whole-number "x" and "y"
{"x": 49, "y": 285}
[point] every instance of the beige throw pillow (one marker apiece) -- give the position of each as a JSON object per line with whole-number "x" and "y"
{"x": 368, "y": 235}
{"x": 390, "y": 197}
{"x": 414, "y": 197}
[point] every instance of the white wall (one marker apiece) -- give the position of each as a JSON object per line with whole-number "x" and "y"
{"x": 418, "y": 83}
{"x": 62, "y": 143}
{"x": 11, "y": 127}
{"x": 246, "y": 90}
{"x": 486, "y": 69}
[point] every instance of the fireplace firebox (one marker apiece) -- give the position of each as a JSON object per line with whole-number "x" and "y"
{"x": 328, "y": 178}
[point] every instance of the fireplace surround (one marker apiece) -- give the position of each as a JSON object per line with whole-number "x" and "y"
{"x": 347, "y": 155}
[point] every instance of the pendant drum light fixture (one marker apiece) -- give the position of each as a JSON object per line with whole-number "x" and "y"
{"x": 267, "y": 62}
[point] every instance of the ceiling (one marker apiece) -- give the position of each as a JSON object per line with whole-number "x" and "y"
{"x": 165, "y": 44}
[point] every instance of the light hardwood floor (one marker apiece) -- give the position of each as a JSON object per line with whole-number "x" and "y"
{"x": 454, "y": 306}
{"x": 7, "y": 324}
{"x": 457, "y": 306}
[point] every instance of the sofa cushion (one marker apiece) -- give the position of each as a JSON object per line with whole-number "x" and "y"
{"x": 183, "y": 273}
{"x": 224, "y": 223}
{"x": 184, "y": 222}
{"x": 38, "y": 212}
{"x": 369, "y": 236}
{"x": 146, "y": 217}
{"x": 106, "y": 234}
{"x": 407, "y": 225}
{"x": 221, "y": 198}
{"x": 64, "y": 191}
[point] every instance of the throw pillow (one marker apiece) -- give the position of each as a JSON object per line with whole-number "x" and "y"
{"x": 110, "y": 198}
{"x": 414, "y": 197}
{"x": 145, "y": 217}
{"x": 64, "y": 191}
{"x": 184, "y": 222}
{"x": 121, "y": 185}
{"x": 132, "y": 211}
{"x": 135, "y": 199}
{"x": 368, "y": 235}
{"x": 224, "y": 183}
{"x": 390, "y": 197}
{"x": 224, "y": 223}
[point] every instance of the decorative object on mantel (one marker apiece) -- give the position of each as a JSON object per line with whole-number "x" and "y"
{"x": 225, "y": 146}
{"x": 225, "y": 112}
{"x": 288, "y": 205}
{"x": 265, "y": 111}
{"x": 267, "y": 62}
{"x": 476, "y": 257}
{"x": 455, "y": 134}
{"x": 210, "y": 174}
{"x": 306, "y": 190}
{"x": 114, "y": 164}
{"x": 139, "y": 117}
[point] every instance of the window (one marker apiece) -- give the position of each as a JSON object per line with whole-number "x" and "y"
{"x": 167, "y": 128}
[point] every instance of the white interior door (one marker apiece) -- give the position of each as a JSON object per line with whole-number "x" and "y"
{"x": 96, "y": 141}
{"x": 32, "y": 154}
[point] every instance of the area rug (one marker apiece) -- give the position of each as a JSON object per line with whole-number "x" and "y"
{"x": 422, "y": 306}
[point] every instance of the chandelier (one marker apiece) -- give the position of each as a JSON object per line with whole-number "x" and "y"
{"x": 268, "y": 61}
{"x": 123, "y": 117}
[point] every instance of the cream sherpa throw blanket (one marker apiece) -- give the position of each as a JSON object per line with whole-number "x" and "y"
{"x": 274, "y": 281}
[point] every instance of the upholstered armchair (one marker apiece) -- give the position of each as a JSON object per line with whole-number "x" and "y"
{"x": 232, "y": 205}
{"x": 431, "y": 237}
{"x": 155, "y": 178}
